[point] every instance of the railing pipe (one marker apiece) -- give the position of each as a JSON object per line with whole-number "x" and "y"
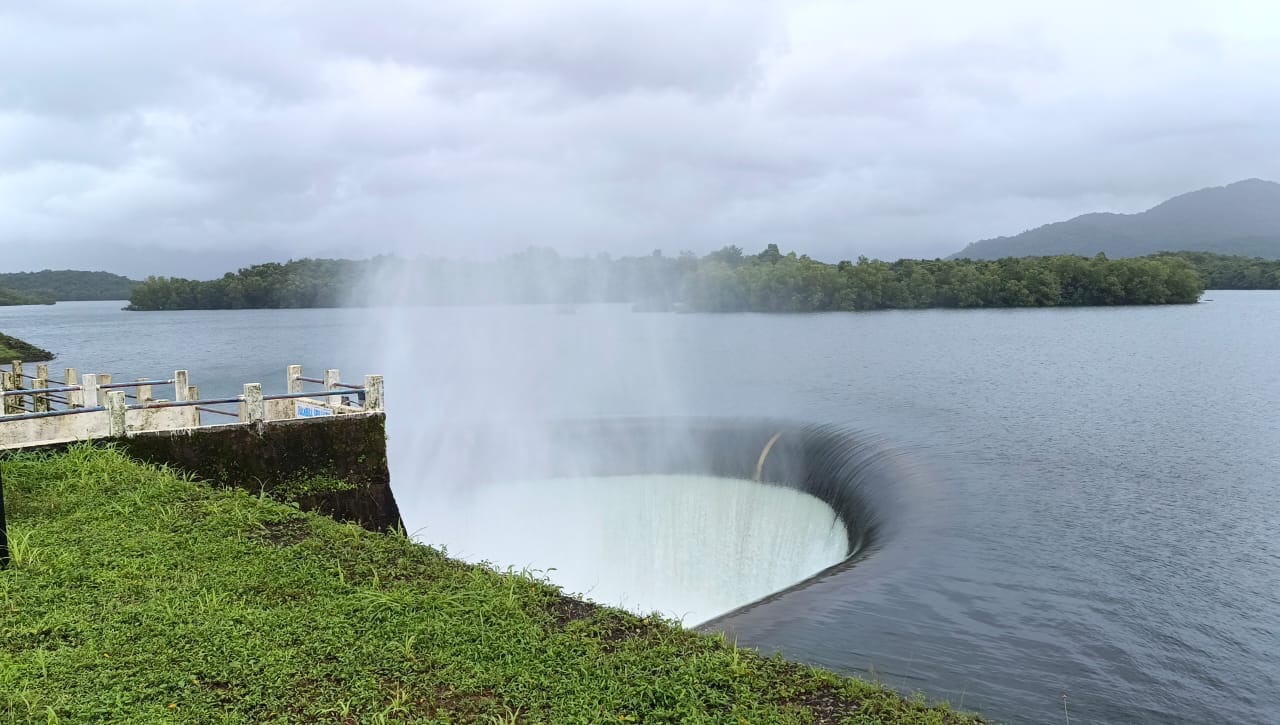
{"x": 55, "y": 413}
{"x": 185, "y": 403}
{"x": 29, "y": 391}
{"x": 96, "y": 393}
{"x": 315, "y": 394}
{"x": 115, "y": 386}
{"x": 348, "y": 386}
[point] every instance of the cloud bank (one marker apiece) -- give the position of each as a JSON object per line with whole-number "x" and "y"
{"x": 193, "y": 137}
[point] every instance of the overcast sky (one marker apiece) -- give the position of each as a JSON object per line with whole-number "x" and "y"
{"x": 191, "y": 137}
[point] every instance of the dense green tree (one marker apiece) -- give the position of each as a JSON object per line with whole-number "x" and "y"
{"x": 68, "y": 284}
{"x": 9, "y": 298}
{"x": 724, "y": 281}
{"x": 1222, "y": 271}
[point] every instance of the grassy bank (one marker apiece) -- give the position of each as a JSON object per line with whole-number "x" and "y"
{"x": 137, "y": 595}
{"x": 11, "y": 348}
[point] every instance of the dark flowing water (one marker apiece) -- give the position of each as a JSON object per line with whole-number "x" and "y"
{"x": 1100, "y": 534}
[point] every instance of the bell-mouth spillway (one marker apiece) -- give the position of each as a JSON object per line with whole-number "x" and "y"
{"x": 856, "y": 479}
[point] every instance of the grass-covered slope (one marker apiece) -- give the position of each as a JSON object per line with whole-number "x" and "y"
{"x": 11, "y": 348}
{"x": 139, "y": 596}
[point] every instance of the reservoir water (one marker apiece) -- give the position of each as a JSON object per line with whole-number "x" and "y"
{"x": 1099, "y": 529}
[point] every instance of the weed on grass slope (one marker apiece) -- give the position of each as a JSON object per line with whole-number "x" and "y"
{"x": 137, "y": 595}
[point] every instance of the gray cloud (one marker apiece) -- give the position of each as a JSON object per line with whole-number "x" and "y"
{"x": 169, "y": 137}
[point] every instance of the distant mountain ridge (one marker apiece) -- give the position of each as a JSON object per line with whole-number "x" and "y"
{"x": 1241, "y": 218}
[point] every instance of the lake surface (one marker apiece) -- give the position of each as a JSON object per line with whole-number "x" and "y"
{"x": 1101, "y": 532}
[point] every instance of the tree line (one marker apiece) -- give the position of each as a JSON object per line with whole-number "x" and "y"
{"x": 535, "y": 276}
{"x": 773, "y": 282}
{"x": 10, "y": 298}
{"x": 67, "y": 285}
{"x": 1225, "y": 271}
{"x": 724, "y": 281}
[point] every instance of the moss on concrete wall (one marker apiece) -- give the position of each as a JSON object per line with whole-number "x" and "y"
{"x": 335, "y": 465}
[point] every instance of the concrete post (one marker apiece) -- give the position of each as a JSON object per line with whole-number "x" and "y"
{"x": 6, "y": 383}
{"x": 89, "y": 391}
{"x": 104, "y": 378}
{"x": 75, "y": 398}
{"x": 252, "y": 410}
{"x": 373, "y": 392}
{"x": 40, "y": 401}
{"x": 181, "y": 384}
{"x": 193, "y": 393}
{"x": 293, "y": 379}
{"x": 331, "y": 379}
{"x": 144, "y": 392}
{"x": 18, "y": 401}
{"x": 116, "y": 409}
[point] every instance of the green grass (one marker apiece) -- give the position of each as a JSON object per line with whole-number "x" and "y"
{"x": 313, "y": 485}
{"x": 11, "y": 348}
{"x": 137, "y": 595}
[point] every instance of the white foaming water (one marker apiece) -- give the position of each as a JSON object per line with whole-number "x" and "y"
{"x": 687, "y": 547}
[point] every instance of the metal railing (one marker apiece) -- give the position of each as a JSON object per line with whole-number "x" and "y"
{"x": 127, "y": 407}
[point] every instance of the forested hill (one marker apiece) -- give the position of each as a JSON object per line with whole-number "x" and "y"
{"x": 69, "y": 285}
{"x": 1238, "y": 219}
{"x": 723, "y": 281}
